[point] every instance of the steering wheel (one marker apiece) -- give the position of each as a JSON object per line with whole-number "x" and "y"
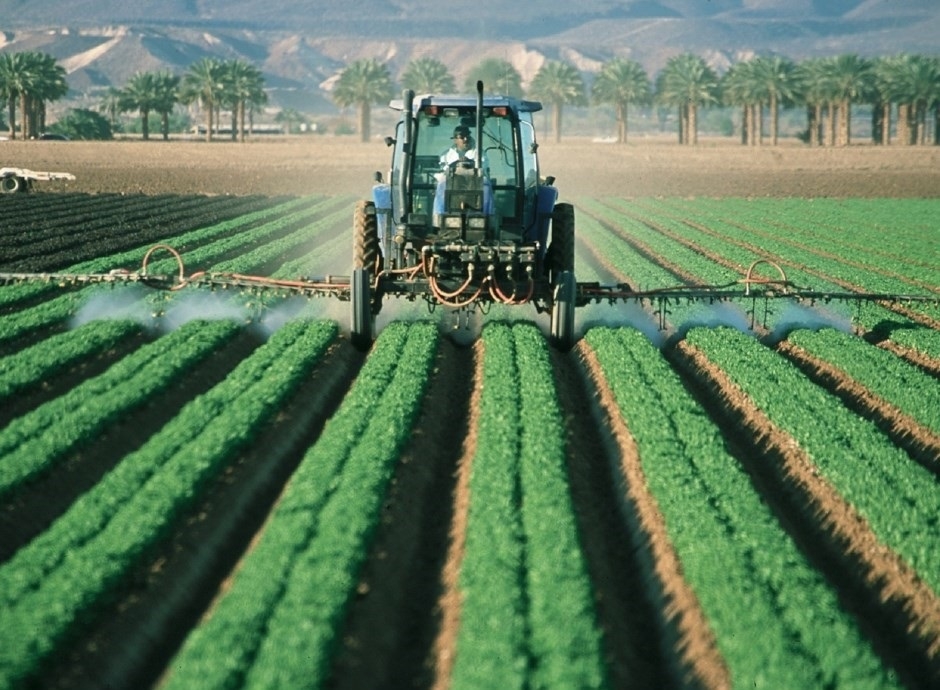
{"x": 461, "y": 164}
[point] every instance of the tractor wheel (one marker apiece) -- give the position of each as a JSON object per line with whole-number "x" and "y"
{"x": 366, "y": 262}
{"x": 12, "y": 184}
{"x": 561, "y": 251}
{"x": 562, "y": 328}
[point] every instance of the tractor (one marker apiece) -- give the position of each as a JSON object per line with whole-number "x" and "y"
{"x": 481, "y": 229}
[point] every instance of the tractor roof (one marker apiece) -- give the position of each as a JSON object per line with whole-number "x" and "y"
{"x": 459, "y": 101}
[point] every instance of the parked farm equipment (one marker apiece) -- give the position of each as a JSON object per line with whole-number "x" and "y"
{"x": 13, "y": 180}
{"x": 466, "y": 229}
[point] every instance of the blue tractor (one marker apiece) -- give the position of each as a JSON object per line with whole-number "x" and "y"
{"x": 464, "y": 231}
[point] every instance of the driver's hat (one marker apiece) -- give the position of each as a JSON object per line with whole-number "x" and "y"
{"x": 461, "y": 130}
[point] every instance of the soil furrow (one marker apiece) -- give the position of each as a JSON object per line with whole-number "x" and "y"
{"x": 601, "y": 464}
{"x": 397, "y": 616}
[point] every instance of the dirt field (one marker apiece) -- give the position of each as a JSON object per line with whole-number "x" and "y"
{"x": 328, "y": 165}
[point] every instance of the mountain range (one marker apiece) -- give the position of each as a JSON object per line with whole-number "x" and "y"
{"x": 302, "y": 46}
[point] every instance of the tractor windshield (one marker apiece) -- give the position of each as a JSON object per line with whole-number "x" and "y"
{"x": 435, "y": 128}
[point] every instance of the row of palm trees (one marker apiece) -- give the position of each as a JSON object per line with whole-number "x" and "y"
{"x": 908, "y": 85}
{"x": 233, "y": 85}
{"x": 32, "y": 79}
{"x": 827, "y": 87}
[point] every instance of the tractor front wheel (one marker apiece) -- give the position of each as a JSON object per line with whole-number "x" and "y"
{"x": 366, "y": 303}
{"x": 561, "y": 250}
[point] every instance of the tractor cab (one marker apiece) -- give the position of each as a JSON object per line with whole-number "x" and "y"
{"x": 487, "y": 193}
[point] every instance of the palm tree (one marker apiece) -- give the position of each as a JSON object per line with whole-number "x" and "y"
{"x": 427, "y": 75}
{"x": 204, "y": 83}
{"x": 917, "y": 86}
{"x": 740, "y": 87}
{"x": 559, "y": 84}
{"x": 140, "y": 94}
{"x": 290, "y": 118}
{"x": 851, "y": 79}
{"x": 777, "y": 81}
{"x": 244, "y": 85}
{"x": 817, "y": 90}
{"x": 32, "y": 78}
{"x": 499, "y": 76}
{"x": 620, "y": 83}
{"x": 687, "y": 82}
{"x": 362, "y": 84}
{"x": 166, "y": 88}
{"x": 110, "y": 105}
{"x": 14, "y": 80}
{"x": 48, "y": 84}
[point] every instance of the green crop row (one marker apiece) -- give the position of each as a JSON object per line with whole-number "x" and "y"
{"x": 644, "y": 274}
{"x": 897, "y": 496}
{"x": 55, "y": 582}
{"x": 853, "y": 228}
{"x": 46, "y": 359}
{"x": 222, "y": 243}
{"x": 913, "y": 392}
{"x": 527, "y": 617}
{"x": 278, "y": 623}
{"x": 11, "y": 295}
{"x": 747, "y": 574}
{"x": 31, "y": 444}
{"x": 744, "y": 245}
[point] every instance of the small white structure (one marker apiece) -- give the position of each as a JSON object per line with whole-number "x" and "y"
{"x": 14, "y": 180}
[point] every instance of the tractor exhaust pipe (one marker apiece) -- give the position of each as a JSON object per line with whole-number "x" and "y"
{"x": 404, "y": 189}
{"x": 478, "y": 156}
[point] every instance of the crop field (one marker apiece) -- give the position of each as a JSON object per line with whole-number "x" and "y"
{"x": 214, "y": 489}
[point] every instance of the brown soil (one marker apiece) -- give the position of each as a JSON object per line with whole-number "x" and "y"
{"x": 340, "y": 165}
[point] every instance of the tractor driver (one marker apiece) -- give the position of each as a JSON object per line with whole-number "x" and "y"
{"x": 462, "y": 150}
{"x": 460, "y": 157}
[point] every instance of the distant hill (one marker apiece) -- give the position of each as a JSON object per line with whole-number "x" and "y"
{"x": 301, "y": 46}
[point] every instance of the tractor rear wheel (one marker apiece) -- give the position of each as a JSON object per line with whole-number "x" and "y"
{"x": 561, "y": 251}
{"x": 12, "y": 184}
{"x": 366, "y": 303}
{"x": 563, "y": 304}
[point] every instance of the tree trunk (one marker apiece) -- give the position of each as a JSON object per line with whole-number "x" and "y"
{"x": 622, "y": 123}
{"x": 745, "y": 124}
{"x": 845, "y": 122}
{"x": 904, "y": 124}
{"x": 774, "y": 120}
{"x": 24, "y": 115}
{"x": 759, "y": 124}
{"x": 365, "y": 116}
{"x": 693, "y": 124}
{"x": 145, "y": 124}
{"x": 556, "y": 121}
{"x": 831, "y": 125}
{"x": 12, "y": 108}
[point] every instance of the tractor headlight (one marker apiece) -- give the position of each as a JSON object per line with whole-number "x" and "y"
{"x": 452, "y": 222}
{"x": 476, "y": 222}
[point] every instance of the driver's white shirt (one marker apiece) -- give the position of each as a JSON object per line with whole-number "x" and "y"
{"x": 452, "y": 156}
